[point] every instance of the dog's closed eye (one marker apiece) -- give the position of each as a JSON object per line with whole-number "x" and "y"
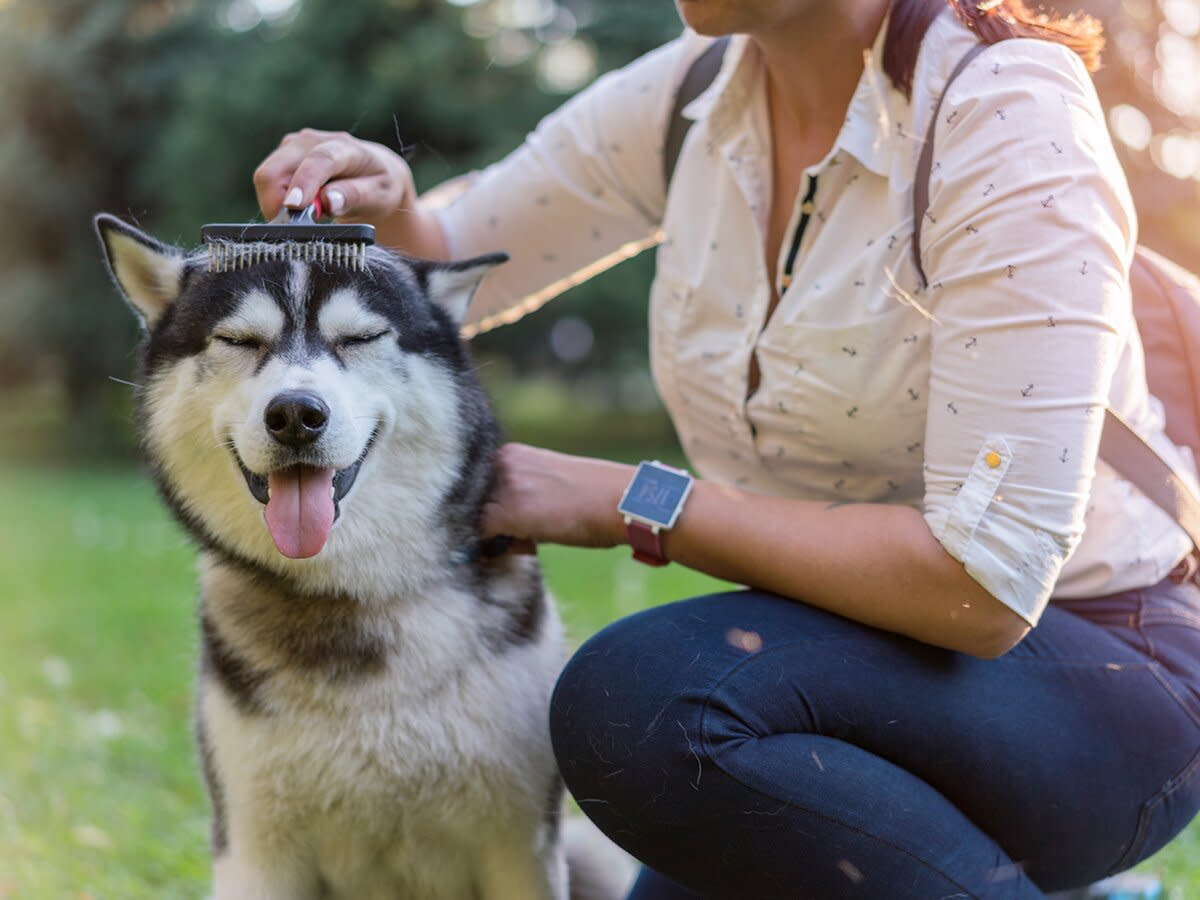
{"x": 245, "y": 341}
{"x": 357, "y": 340}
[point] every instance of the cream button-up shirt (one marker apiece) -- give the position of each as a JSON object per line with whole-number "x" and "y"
{"x": 978, "y": 399}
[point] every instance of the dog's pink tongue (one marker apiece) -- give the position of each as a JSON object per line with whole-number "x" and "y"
{"x": 300, "y": 511}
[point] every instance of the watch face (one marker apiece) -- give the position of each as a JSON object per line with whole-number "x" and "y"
{"x": 655, "y": 494}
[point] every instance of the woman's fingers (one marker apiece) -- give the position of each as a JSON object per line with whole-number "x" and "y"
{"x": 356, "y": 178}
{"x": 366, "y": 197}
{"x": 495, "y": 522}
{"x": 274, "y": 174}
{"x": 334, "y": 158}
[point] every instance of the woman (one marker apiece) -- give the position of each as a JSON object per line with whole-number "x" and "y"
{"x": 902, "y": 475}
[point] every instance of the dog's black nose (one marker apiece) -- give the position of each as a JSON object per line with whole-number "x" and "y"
{"x": 296, "y": 418}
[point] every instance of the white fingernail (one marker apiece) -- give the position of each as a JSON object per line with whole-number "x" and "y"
{"x": 292, "y": 200}
{"x": 336, "y": 202}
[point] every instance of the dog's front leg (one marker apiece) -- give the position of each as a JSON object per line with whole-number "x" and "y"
{"x": 246, "y": 876}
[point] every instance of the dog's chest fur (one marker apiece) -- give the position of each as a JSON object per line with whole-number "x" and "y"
{"x": 380, "y": 741}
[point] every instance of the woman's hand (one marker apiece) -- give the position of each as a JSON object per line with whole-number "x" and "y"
{"x": 541, "y": 495}
{"x": 355, "y": 179}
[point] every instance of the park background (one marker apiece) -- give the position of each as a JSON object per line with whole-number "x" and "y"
{"x": 158, "y": 111}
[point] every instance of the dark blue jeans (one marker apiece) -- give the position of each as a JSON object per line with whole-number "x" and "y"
{"x": 742, "y": 745}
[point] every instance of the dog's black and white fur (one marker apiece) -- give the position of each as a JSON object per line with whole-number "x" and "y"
{"x": 372, "y": 720}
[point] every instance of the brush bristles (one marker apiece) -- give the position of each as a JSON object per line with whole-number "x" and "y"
{"x": 230, "y": 256}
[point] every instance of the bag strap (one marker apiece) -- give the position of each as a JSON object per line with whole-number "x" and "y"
{"x": 1136, "y": 461}
{"x": 925, "y": 163}
{"x": 1120, "y": 446}
{"x": 699, "y": 76}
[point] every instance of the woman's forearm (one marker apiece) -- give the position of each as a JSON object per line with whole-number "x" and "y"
{"x": 875, "y": 563}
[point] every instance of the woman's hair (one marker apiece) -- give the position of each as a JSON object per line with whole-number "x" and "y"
{"x": 992, "y": 20}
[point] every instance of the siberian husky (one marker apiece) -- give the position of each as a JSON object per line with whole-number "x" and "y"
{"x": 373, "y": 687}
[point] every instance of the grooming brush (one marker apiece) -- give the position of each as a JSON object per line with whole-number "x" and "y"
{"x": 293, "y": 234}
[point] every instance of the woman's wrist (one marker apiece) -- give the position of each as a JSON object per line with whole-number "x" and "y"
{"x": 614, "y": 519}
{"x": 542, "y": 495}
{"x": 606, "y": 483}
{"x": 412, "y": 228}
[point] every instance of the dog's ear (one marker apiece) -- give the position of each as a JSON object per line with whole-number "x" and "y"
{"x": 148, "y": 273}
{"x": 452, "y": 285}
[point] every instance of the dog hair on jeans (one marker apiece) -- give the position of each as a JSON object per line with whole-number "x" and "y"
{"x": 372, "y": 700}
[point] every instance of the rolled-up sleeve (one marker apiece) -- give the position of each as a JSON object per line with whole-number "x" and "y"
{"x": 1027, "y": 245}
{"x": 585, "y": 187}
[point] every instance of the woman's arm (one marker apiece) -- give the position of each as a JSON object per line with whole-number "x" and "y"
{"x": 875, "y": 563}
{"x": 1027, "y": 245}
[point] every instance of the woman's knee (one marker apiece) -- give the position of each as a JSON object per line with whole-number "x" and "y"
{"x": 624, "y": 717}
{"x": 598, "y": 721}
{"x": 628, "y": 674}
{"x": 637, "y": 706}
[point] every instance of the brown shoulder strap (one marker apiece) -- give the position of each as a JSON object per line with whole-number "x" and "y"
{"x": 925, "y": 163}
{"x": 699, "y": 76}
{"x": 1120, "y": 446}
{"x": 1136, "y": 461}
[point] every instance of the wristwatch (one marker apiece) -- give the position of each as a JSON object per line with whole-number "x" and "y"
{"x": 651, "y": 505}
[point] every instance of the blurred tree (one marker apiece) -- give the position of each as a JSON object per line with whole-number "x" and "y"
{"x": 401, "y": 73}
{"x": 1150, "y": 84}
{"x": 83, "y": 85}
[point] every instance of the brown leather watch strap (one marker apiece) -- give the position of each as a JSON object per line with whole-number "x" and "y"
{"x": 647, "y": 543}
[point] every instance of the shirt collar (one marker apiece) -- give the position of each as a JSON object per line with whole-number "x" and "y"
{"x": 725, "y": 98}
{"x": 875, "y": 120}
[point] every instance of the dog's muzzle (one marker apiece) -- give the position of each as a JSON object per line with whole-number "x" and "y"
{"x": 301, "y": 500}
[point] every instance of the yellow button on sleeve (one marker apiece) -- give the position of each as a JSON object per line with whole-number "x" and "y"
{"x": 993, "y": 459}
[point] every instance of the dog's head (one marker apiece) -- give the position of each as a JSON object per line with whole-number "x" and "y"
{"x": 298, "y": 414}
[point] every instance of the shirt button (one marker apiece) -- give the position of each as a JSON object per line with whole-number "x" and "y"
{"x": 808, "y": 208}
{"x": 993, "y": 460}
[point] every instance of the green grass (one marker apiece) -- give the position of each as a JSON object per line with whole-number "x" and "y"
{"x": 99, "y": 791}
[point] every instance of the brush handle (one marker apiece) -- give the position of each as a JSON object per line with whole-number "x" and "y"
{"x": 308, "y": 215}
